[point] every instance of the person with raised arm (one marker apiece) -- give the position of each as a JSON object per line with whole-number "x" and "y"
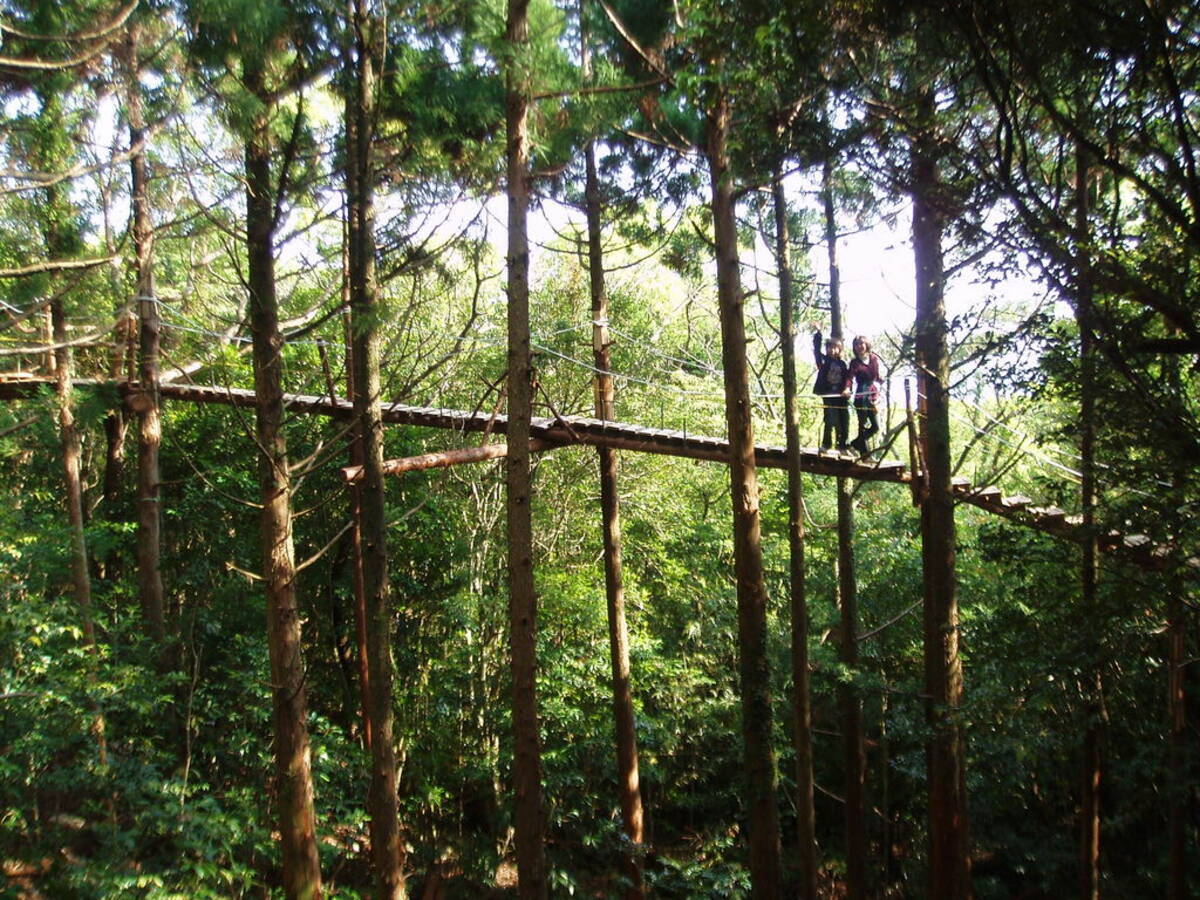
{"x": 833, "y": 385}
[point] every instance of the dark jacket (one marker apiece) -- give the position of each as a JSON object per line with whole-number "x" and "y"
{"x": 833, "y": 375}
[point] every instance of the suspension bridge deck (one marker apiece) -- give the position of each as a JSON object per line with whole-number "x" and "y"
{"x": 562, "y": 431}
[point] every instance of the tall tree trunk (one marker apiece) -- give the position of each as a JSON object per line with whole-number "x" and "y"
{"x": 72, "y": 482}
{"x": 149, "y": 515}
{"x": 610, "y": 508}
{"x": 108, "y": 567}
{"x": 1177, "y": 743}
{"x": 61, "y": 237}
{"x": 831, "y": 241}
{"x": 949, "y": 862}
{"x": 1089, "y": 859}
{"x": 849, "y": 703}
{"x": 1178, "y": 782}
{"x": 116, "y": 429}
{"x": 806, "y": 830}
{"x": 522, "y": 601}
{"x": 759, "y": 755}
{"x": 293, "y": 767}
{"x": 386, "y": 847}
{"x": 356, "y": 560}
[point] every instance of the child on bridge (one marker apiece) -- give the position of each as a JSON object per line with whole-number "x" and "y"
{"x": 864, "y": 369}
{"x": 833, "y": 387}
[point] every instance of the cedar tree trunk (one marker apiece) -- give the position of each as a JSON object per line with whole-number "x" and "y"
{"x": 949, "y": 863}
{"x": 849, "y": 703}
{"x": 806, "y": 831}
{"x": 386, "y": 847}
{"x": 149, "y": 516}
{"x": 1089, "y": 846}
{"x": 610, "y": 507}
{"x": 759, "y": 754}
{"x": 293, "y": 772}
{"x": 522, "y": 601}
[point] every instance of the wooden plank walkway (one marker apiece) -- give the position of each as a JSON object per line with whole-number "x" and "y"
{"x": 562, "y": 432}
{"x": 567, "y": 430}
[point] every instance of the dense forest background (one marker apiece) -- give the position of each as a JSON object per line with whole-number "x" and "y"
{"x": 226, "y": 670}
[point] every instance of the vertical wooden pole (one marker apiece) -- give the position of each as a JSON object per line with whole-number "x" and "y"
{"x": 849, "y": 701}
{"x": 831, "y": 246}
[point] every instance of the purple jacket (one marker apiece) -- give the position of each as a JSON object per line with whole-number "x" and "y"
{"x": 866, "y": 380}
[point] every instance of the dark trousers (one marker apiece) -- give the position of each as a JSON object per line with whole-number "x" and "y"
{"x": 837, "y": 416}
{"x": 868, "y": 424}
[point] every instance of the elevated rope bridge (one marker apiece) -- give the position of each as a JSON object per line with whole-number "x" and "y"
{"x": 563, "y": 431}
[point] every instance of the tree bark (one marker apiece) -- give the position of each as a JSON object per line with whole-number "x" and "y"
{"x": 116, "y": 431}
{"x": 806, "y": 831}
{"x": 1089, "y": 859}
{"x": 293, "y": 768}
{"x": 72, "y": 482}
{"x": 949, "y": 862}
{"x": 1177, "y": 742}
{"x": 849, "y": 703}
{"x": 522, "y": 600}
{"x": 60, "y": 235}
{"x": 61, "y": 239}
{"x": 386, "y": 847}
{"x": 759, "y": 754}
{"x": 614, "y": 588}
{"x": 356, "y": 560}
{"x": 831, "y": 236}
{"x": 149, "y": 505}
